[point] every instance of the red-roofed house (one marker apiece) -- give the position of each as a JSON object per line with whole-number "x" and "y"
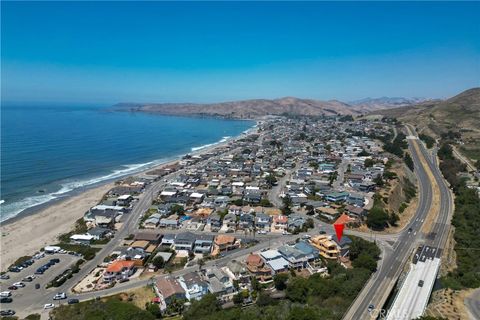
{"x": 119, "y": 270}
{"x": 279, "y": 224}
{"x": 344, "y": 219}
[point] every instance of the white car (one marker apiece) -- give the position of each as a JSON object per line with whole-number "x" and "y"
{"x": 19, "y": 284}
{"x": 49, "y": 306}
{"x": 60, "y": 296}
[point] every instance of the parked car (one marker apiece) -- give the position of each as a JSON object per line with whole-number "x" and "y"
{"x": 5, "y": 313}
{"x": 49, "y": 306}
{"x": 56, "y": 260}
{"x": 37, "y": 285}
{"x": 123, "y": 280}
{"x": 73, "y": 301}
{"x": 12, "y": 288}
{"x": 19, "y": 284}
{"x": 39, "y": 271}
{"x": 14, "y": 269}
{"x": 4, "y": 277}
{"x": 29, "y": 278}
{"x": 6, "y": 300}
{"x": 4, "y": 294}
{"x": 60, "y": 296}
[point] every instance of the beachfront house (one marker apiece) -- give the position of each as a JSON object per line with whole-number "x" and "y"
{"x": 117, "y": 270}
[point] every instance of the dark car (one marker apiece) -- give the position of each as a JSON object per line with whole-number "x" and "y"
{"x": 6, "y": 300}
{"x": 409, "y": 230}
{"x": 7, "y": 313}
{"x": 322, "y": 232}
{"x": 12, "y": 288}
{"x": 420, "y": 283}
{"x": 37, "y": 285}
{"x": 73, "y": 301}
{"x": 39, "y": 271}
{"x": 14, "y": 269}
{"x": 56, "y": 260}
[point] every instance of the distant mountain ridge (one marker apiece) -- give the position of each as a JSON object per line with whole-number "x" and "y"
{"x": 245, "y": 109}
{"x": 256, "y": 108}
{"x": 372, "y": 104}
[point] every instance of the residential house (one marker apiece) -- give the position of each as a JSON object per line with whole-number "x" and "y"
{"x": 120, "y": 269}
{"x": 169, "y": 288}
{"x": 195, "y": 288}
{"x": 153, "y": 221}
{"x": 151, "y": 237}
{"x": 262, "y": 222}
{"x": 279, "y": 224}
{"x": 327, "y": 248}
{"x": 185, "y": 241}
{"x": 99, "y": 233}
{"x": 337, "y": 196}
{"x": 258, "y": 268}
{"x": 170, "y": 222}
{"x": 203, "y": 243}
{"x": 296, "y": 221}
{"x": 218, "y": 281}
{"x": 297, "y": 259}
{"x": 124, "y": 200}
{"x": 226, "y": 243}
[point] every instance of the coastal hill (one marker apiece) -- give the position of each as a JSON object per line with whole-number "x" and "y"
{"x": 245, "y": 109}
{"x": 252, "y": 109}
{"x": 373, "y": 104}
{"x": 459, "y": 114}
{"x": 460, "y": 111}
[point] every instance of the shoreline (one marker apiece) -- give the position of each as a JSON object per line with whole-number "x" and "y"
{"x": 45, "y": 222}
{"x": 158, "y": 163}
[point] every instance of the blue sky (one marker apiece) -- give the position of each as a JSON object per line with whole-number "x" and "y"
{"x": 107, "y": 52}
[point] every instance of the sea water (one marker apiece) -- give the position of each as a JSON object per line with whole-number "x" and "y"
{"x": 49, "y": 152}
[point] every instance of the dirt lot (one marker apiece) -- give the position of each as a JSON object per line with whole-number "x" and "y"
{"x": 448, "y": 304}
{"x": 138, "y": 297}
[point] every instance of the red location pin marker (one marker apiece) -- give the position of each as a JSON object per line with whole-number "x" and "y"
{"x": 339, "y": 230}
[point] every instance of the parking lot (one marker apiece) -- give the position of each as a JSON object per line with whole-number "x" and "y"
{"x": 23, "y": 297}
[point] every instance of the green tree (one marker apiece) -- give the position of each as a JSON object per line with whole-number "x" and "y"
{"x": 409, "y": 161}
{"x": 368, "y": 163}
{"x": 271, "y": 179}
{"x": 158, "y": 262}
{"x": 297, "y": 290}
{"x": 177, "y": 209}
{"x": 154, "y": 309}
{"x": 204, "y": 307}
{"x": 377, "y": 218}
{"x": 287, "y": 205}
{"x": 365, "y": 261}
{"x": 280, "y": 281}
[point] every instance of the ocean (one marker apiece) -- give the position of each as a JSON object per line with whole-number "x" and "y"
{"x": 49, "y": 152}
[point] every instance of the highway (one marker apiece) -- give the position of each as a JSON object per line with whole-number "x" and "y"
{"x": 380, "y": 285}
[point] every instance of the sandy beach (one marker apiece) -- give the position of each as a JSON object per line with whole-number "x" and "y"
{"x": 26, "y": 235}
{"x": 30, "y": 233}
